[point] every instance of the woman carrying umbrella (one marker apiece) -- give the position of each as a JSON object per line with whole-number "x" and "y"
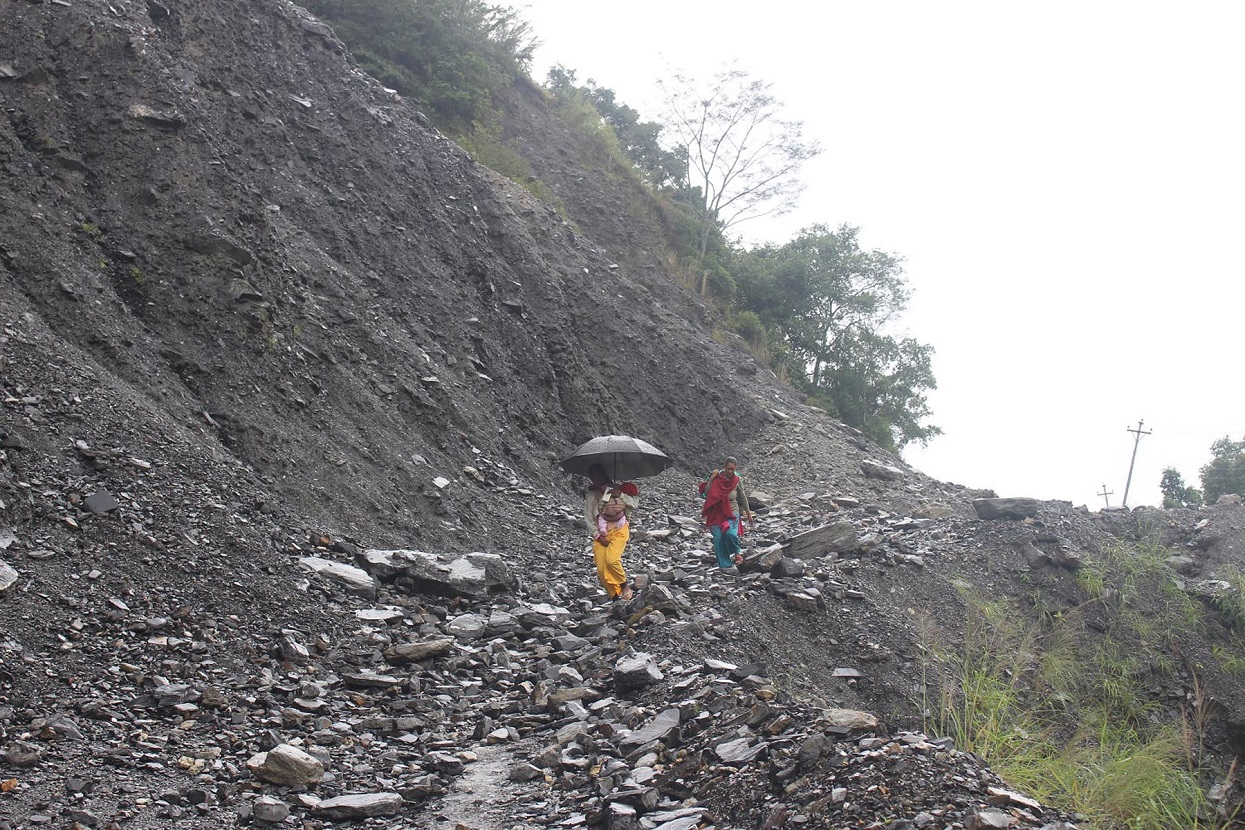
{"x": 606, "y": 459}
{"x": 613, "y": 532}
{"x": 606, "y": 509}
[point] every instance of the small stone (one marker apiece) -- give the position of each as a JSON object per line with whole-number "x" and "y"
{"x": 101, "y": 501}
{"x": 22, "y": 754}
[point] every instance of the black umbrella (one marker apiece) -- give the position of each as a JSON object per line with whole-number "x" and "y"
{"x": 622, "y": 456}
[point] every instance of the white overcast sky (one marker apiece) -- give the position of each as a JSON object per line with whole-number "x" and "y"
{"x": 1066, "y": 183}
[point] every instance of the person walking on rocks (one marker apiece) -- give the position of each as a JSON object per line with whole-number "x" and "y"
{"x": 613, "y": 532}
{"x": 724, "y": 492}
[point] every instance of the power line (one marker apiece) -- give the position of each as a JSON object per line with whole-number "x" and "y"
{"x": 1202, "y": 432}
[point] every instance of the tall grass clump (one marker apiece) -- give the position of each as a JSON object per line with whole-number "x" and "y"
{"x": 1061, "y": 704}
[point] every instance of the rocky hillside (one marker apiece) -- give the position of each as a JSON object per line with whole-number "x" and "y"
{"x": 219, "y": 210}
{"x": 285, "y": 379}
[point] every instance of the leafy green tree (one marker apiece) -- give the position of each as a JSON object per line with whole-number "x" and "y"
{"x": 450, "y": 54}
{"x": 1226, "y": 471}
{"x": 1175, "y": 492}
{"x": 879, "y": 387}
{"x": 829, "y": 303}
{"x": 741, "y": 158}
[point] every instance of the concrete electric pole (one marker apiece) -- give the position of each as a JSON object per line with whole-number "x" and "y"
{"x": 1137, "y": 433}
{"x": 1105, "y": 492}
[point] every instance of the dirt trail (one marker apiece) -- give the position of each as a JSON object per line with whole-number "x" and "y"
{"x": 484, "y": 797}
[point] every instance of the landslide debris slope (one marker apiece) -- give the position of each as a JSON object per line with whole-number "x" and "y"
{"x": 214, "y": 204}
{"x": 260, "y": 325}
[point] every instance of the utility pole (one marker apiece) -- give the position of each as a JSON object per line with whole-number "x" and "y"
{"x": 1137, "y": 433}
{"x": 1105, "y": 492}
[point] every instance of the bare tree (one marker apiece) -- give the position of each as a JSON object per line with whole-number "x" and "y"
{"x": 741, "y": 157}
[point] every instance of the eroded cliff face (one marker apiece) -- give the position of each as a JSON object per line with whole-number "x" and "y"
{"x": 212, "y": 203}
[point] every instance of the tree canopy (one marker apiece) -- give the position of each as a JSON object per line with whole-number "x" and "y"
{"x": 826, "y": 305}
{"x": 1226, "y": 471}
{"x": 1175, "y": 492}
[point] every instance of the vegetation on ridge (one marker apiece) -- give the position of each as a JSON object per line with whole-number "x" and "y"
{"x": 451, "y": 55}
{"x": 1223, "y": 475}
{"x": 1061, "y": 703}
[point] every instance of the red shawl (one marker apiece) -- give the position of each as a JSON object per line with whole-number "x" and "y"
{"x": 718, "y": 503}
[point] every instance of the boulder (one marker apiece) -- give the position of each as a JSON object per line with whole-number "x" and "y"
{"x": 635, "y": 671}
{"x": 356, "y": 807}
{"x": 472, "y": 575}
{"x": 837, "y": 537}
{"x": 885, "y": 472}
{"x": 354, "y": 580}
{"x": 288, "y": 765}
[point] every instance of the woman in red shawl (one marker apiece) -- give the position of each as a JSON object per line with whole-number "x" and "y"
{"x": 723, "y": 493}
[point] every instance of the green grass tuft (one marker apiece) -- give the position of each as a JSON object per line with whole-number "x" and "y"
{"x": 1061, "y": 704}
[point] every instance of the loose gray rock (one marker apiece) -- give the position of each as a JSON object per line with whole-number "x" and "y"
{"x": 740, "y": 750}
{"x": 467, "y": 626}
{"x": 419, "y": 651}
{"x": 660, "y": 728}
{"x": 268, "y": 808}
{"x": 850, "y": 720}
{"x": 635, "y": 671}
{"x": 838, "y": 537}
{"x": 286, "y": 764}
{"x": 22, "y": 754}
{"x": 355, "y": 580}
{"x": 873, "y": 469}
{"x": 101, "y": 501}
{"x": 8, "y": 577}
{"x": 620, "y": 816}
{"x": 355, "y": 807}
{"x": 988, "y": 820}
{"x": 473, "y": 575}
{"x": 526, "y": 772}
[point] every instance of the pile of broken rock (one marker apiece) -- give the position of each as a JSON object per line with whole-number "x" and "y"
{"x": 455, "y": 691}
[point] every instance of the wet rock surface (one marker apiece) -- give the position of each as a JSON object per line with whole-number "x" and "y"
{"x": 284, "y": 379}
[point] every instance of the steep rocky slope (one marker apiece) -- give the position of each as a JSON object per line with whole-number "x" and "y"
{"x": 219, "y": 209}
{"x": 257, "y": 319}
